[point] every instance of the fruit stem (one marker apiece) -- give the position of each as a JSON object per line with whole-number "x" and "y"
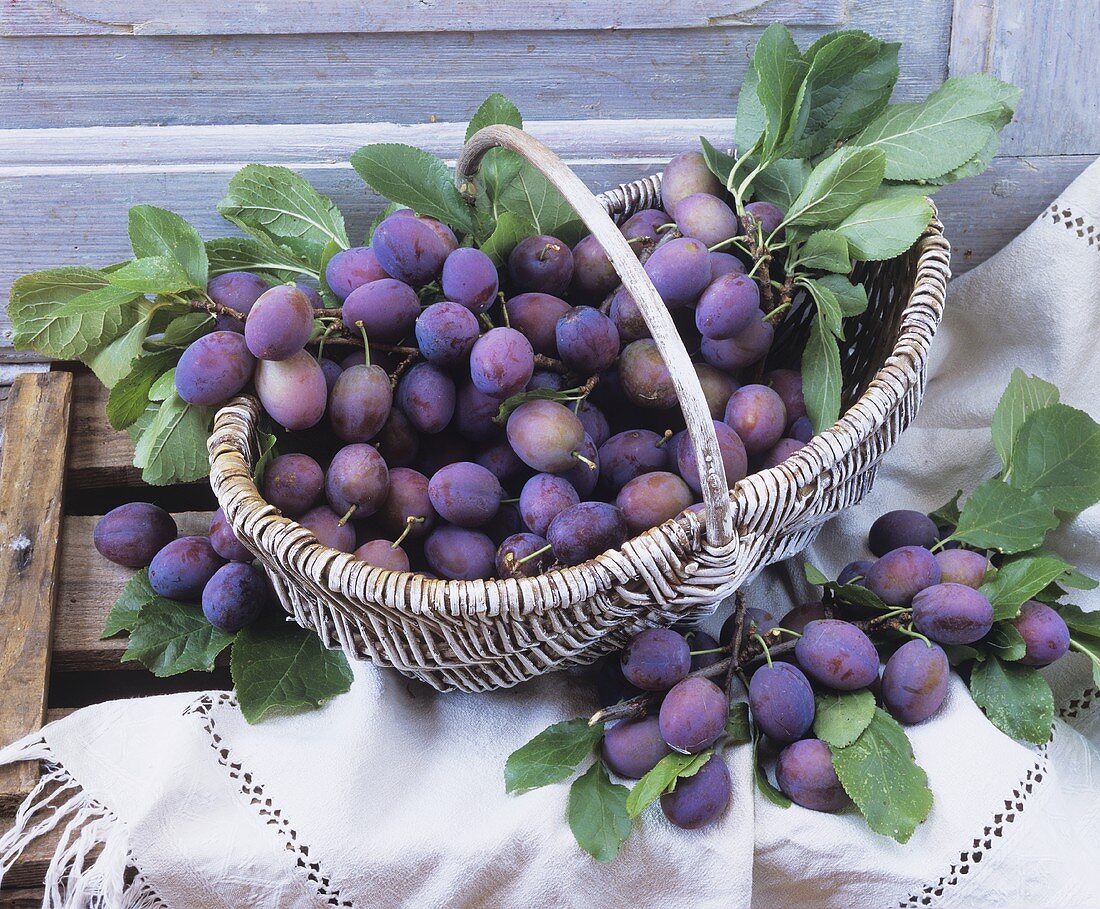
{"x": 790, "y": 631}
{"x": 764, "y": 645}
{"x": 908, "y": 631}
{"x": 531, "y": 555}
{"x": 347, "y": 516}
{"x": 665, "y": 436}
{"x": 366, "y": 345}
{"x": 591, "y": 464}
{"x": 409, "y": 521}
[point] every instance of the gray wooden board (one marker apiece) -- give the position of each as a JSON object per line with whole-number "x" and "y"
{"x": 1048, "y": 48}
{"x": 415, "y": 77}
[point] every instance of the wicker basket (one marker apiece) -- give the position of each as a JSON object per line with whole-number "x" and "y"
{"x": 480, "y": 635}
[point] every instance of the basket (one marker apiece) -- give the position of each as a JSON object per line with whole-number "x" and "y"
{"x": 481, "y": 635}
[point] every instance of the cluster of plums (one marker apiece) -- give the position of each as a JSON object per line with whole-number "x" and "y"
{"x": 409, "y": 460}
{"x": 937, "y": 601}
{"x": 215, "y": 570}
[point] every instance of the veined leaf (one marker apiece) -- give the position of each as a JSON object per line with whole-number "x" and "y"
{"x": 1056, "y": 456}
{"x": 1016, "y": 699}
{"x": 268, "y": 259}
{"x": 998, "y": 516}
{"x": 826, "y": 250}
{"x": 837, "y": 187}
{"x": 551, "y": 756}
{"x": 494, "y": 109}
{"x": 781, "y": 182}
{"x": 130, "y": 395}
{"x": 170, "y": 637}
{"x": 173, "y": 447}
{"x": 157, "y": 232}
{"x": 1024, "y": 396}
{"x": 662, "y": 779}
{"x": 597, "y": 813}
{"x": 124, "y": 614}
{"x": 1018, "y": 581}
{"x": 842, "y": 716}
{"x": 852, "y": 298}
{"x": 821, "y": 376}
{"x": 885, "y": 228}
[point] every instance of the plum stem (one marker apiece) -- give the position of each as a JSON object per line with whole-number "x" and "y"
{"x": 531, "y": 555}
{"x": 665, "y": 436}
{"x": 409, "y": 521}
{"x": 591, "y": 464}
{"x": 764, "y": 645}
{"x": 908, "y": 631}
{"x": 366, "y": 345}
{"x": 347, "y": 516}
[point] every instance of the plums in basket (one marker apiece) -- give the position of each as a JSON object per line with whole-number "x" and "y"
{"x": 700, "y": 799}
{"x": 225, "y": 541}
{"x": 644, "y": 225}
{"x": 587, "y": 340}
{"x": 594, "y": 277}
{"x": 628, "y": 319}
{"x": 214, "y": 368}
{"x": 134, "y": 533}
{"x": 360, "y": 403}
{"x": 293, "y": 483}
{"x": 465, "y": 494}
{"x": 470, "y": 279}
{"x": 383, "y": 554}
{"x": 780, "y": 451}
{"x": 426, "y": 394}
{"x": 631, "y": 748}
{"x": 630, "y": 454}
{"x": 787, "y": 383}
{"x": 546, "y": 435}
{"x": 685, "y": 175}
{"x": 352, "y": 268}
{"x": 900, "y": 575}
{"x": 234, "y": 596}
{"x": 656, "y": 659}
{"x": 901, "y": 528}
{"x": 693, "y": 715}
{"x": 744, "y": 349}
{"x": 914, "y": 682}
{"x": 727, "y": 306}
{"x": 329, "y": 528}
{"x": 594, "y": 422}
{"x": 459, "y": 553}
{"x": 293, "y": 391}
{"x": 680, "y": 271}
{"x": 543, "y": 497}
{"x": 522, "y": 555}
{"x": 398, "y": 440}
{"x": 279, "y": 323}
{"x": 236, "y": 290}
{"x": 646, "y": 379}
{"x": 446, "y": 332}
{"x": 652, "y": 499}
{"x": 541, "y": 264}
{"x": 724, "y": 263}
{"x": 706, "y": 218}
{"x": 181, "y": 569}
{"x": 1045, "y": 634}
{"x": 501, "y": 362}
{"x": 717, "y": 387}
{"x": 731, "y": 448}
{"x": 782, "y": 702}
{"x": 952, "y": 614}
{"x": 410, "y": 249}
{"x": 805, "y": 774}
{"x": 408, "y": 505}
{"x": 837, "y": 654}
{"x": 357, "y": 481}
{"x": 766, "y": 215}
{"x": 383, "y": 310}
{"x": 584, "y": 531}
{"x": 535, "y": 316}
{"x": 756, "y": 413}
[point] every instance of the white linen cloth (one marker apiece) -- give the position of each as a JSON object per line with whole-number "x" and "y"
{"x": 394, "y": 796}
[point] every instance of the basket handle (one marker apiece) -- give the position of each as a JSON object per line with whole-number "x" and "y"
{"x": 700, "y": 428}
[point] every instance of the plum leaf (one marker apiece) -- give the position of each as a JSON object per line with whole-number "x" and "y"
{"x": 597, "y": 813}
{"x": 662, "y": 779}
{"x": 1016, "y": 699}
{"x": 170, "y": 637}
{"x": 551, "y": 756}
{"x": 157, "y": 232}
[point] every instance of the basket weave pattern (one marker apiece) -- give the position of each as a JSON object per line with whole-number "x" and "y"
{"x": 480, "y": 635}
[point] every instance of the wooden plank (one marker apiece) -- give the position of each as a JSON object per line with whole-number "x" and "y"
{"x": 98, "y": 456}
{"x": 87, "y": 588}
{"x": 304, "y": 17}
{"x": 31, "y": 484}
{"x": 22, "y": 899}
{"x": 1047, "y": 47}
{"x": 419, "y": 77}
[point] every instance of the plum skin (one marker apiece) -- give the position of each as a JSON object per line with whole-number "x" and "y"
{"x": 182, "y": 569}
{"x": 952, "y": 614}
{"x": 1045, "y": 634}
{"x": 132, "y": 534}
{"x": 837, "y": 654}
{"x": 914, "y": 682}
{"x": 632, "y": 748}
{"x": 782, "y": 702}
{"x": 656, "y": 659}
{"x": 693, "y": 715}
{"x": 805, "y": 774}
{"x": 700, "y": 799}
{"x": 234, "y": 597}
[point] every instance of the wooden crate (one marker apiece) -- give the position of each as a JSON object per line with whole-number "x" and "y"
{"x": 61, "y": 467}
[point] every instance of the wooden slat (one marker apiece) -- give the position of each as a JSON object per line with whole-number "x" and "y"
{"x": 31, "y": 483}
{"x": 1048, "y": 48}
{"x": 23, "y": 898}
{"x": 98, "y": 456}
{"x": 303, "y": 17}
{"x": 416, "y": 76}
{"x": 88, "y": 586}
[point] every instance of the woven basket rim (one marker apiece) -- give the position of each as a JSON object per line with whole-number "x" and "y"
{"x": 478, "y": 597}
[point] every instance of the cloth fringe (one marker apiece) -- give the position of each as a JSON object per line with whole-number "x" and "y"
{"x": 92, "y": 867}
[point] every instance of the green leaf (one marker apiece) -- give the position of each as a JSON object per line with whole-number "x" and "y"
{"x": 821, "y": 376}
{"x": 277, "y": 206}
{"x": 551, "y": 756}
{"x": 926, "y": 139}
{"x": 66, "y": 312}
{"x": 134, "y": 597}
{"x": 851, "y": 78}
{"x": 1024, "y": 396}
{"x": 1005, "y": 639}
{"x": 267, "y": 442}
{"x": 1018, "y": 581}
{"x": 1091, "y": 651}
{"x": 563, "y": 396}
{"x": 1079, "y": 621}
{"x": 763, "y": 784}
{"x": 852, "y": 298}
{"x": 113, "y": 361}
{"x": 814, "y": 575}
{"x": 662, "y": 779}
{"x": 494, "y": 109}
{"x": 279, "y": 667}
{"x": 510, "y": 229}
{"x": 157, "y": 232}
{"x": 163, "y": 387}
{"x": 857, "y": 595}
{"x": 781, "y": 72}
{"x": 751, "y": 119}
{"x": 828, "y": 306}
{"x": 173, "y": 448}
{"x": 879, "y": 773}
{"x": 837, "y": 187}
{"x": 826, "y": 250}
{"x": 412, "y": 177}
{"x": 184, "y": 329}
{"x": 738, "y": 730}
{"x": 531, "y": 198}
{"x": 719, "y": 162}
{"x": 781, "y": 182}
{"x": 842, "y": 716}
{"x": 130, "y": 395}
{"x": 1057, "y": 457}
{"x": 170, "y": 637}
{"x": 947, "y": 515}
{"x": 998, "y": 516}
{"x": 262, "y": 256}
{"x": 957, "y": 654}
{"x": 885, "y": 228}
{"x": 1016, "y": 699}
{"x": 597, "y": 813}
{"x": 152, "y": 275}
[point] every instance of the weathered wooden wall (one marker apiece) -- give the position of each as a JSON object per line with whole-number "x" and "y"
{"x": 107, "y": 103}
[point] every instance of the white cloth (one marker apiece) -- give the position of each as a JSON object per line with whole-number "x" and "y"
{"x": 394, "y": 796}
